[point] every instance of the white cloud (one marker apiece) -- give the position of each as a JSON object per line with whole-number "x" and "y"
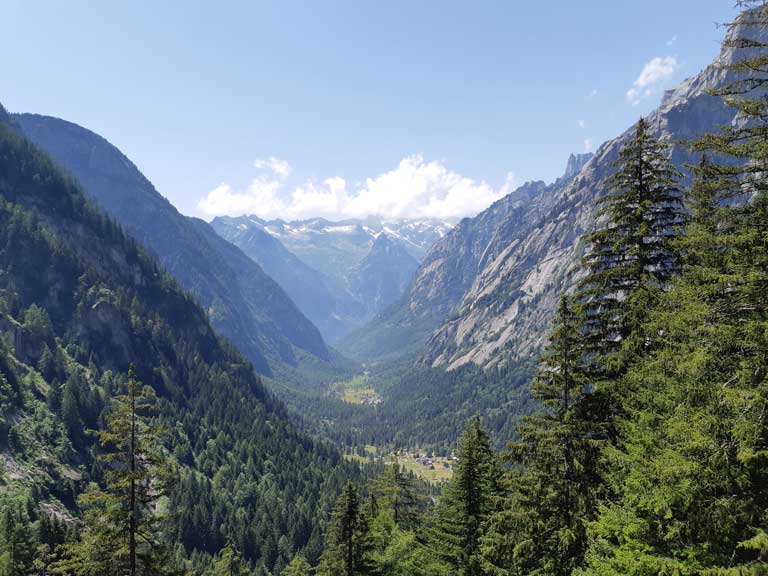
{"x": 591, "y": 95}
{"x": 582, "y": 124}
{"x": 416, "y": 188}
{"x": 588, "y": 145}
{"x": 280, "y": 168}
{"x": 654, "y": 74}
{"x": 672, "y": 41}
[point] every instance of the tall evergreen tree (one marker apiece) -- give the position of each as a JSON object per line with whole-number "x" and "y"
{"x": 16, "y": 542}
{"x": 298, "y": 567}
{"x": 634, "y": 246}
{"x": 348, "y": 543}
{"x": 229, "y": 563}
{"x": 121, "y": 532}
{"x": 396, "y": 491}
{"x": 469, "y": 498}
{"x": 690, "y": 474}
{"x": 70, "y": 414}
{"x": 554, "y": 481}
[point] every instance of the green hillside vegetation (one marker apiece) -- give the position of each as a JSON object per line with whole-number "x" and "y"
{"x": 79, "y": 303}
{"x": 134, "y": 441}
{"x": 649, "y": 455}
{"x": 420, "y": 406}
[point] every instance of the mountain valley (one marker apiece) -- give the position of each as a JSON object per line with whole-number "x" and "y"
{"x": 340, "y": 273}
{"x": 568, "y": 379}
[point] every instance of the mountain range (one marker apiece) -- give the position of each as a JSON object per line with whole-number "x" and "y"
{"x": 258, "y": 343}
{"x": 340, "y": 274}
{"x": 241, "y": 300}
{"x": 480, "y": 293}
{"x": 486, "y": 293}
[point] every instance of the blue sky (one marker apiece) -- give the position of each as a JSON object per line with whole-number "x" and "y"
{"x": 342, "y": 108}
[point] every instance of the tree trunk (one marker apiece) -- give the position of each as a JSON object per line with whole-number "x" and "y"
{"x": 132, "y": 513}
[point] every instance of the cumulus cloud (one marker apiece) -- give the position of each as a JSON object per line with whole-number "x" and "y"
{"x": 280, "y": 168}
{"x": 654, "y": 74}
{"x": 416, "y": 188}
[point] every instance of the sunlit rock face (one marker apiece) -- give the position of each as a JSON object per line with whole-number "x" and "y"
{"x": 487, "y": 292}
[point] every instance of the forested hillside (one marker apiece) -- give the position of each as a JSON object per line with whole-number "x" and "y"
{"x": 242, "y": 302}
{"x": 80, "y": 303}
{"x": 649, "y": 455}
{"x": 575, "y": 382}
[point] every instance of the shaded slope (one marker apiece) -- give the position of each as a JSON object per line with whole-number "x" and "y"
{"x": 307, "y": 287}
{"x": 242, "y": 302}
{"x": 79, "y": 302}
{"x": 384, "y": 273}
{"x": 332, "y": 269}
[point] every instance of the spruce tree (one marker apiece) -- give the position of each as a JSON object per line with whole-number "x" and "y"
{"x": 554, "y": 480}
{"x": 396, "y": 492}
{"x": 229, "y": 563}
{"x": 70, "y": 414}
{"x": 689, "y": 476}
{"x": 634, "y": 247}
{"x": 121, "y": 529}
{"x": 348, "y": 543}
{"x": 298, "y": 567}
{"x": 453, "y": 537}
{"x": 16, "y": 542}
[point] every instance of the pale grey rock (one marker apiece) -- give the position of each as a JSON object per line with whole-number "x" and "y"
{"x": 487, "y": 292}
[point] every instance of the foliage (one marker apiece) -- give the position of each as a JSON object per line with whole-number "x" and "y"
{"x": 634, "y": 247}
{"x": 298, "y": 567}
{"x": 554, "y": 481}
{"x": 122, "y": 527}
{"x": 79, "y": 302}
{"x": 395, "y": 492}
{"x": 349, "y": 545}
{"x": 691, "y": 470}
{"x": 455, "y": 527}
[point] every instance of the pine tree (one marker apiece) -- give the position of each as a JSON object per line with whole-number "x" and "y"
{"x": 47, "y": 364}
{"x": 229, "y": 563}
{"x": 70, "y": 414}
{"x": 689, "y": 476}
{"x": 121, "y": 532}
{"x": 348, "y": 546}
{"x": 454, "y": 535}
{"x": 396, "y": 491}
{"x": 55, "y": 394}
{"x": 554, "y": 481}
{"x": 16, "y": 542}
{"x": 635, "y": 245}
{"x": 298, "y": 567}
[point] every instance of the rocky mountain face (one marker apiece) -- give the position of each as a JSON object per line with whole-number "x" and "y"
{"x": 333, "y": 246}
{"x": 242, "y": 302}
{"x": 384, "y": 273}
{"x": 486, "y": 293}
{"x": 339, "y": 273}
{"x": 446, "y": 273}
{"x": 307, "y": 287}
